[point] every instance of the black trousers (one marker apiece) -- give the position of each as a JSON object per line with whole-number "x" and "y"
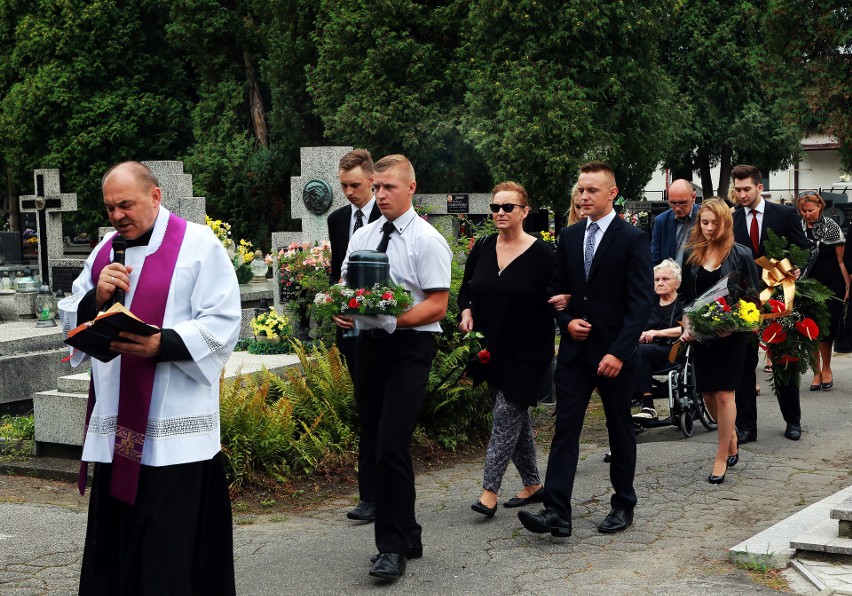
{"x": 575, "y": 381}
{"x": 391, "y": 374}
{"x": 177, "y": 539}
{"x": 746, "y": 396}
{"x": 366, "y": 460}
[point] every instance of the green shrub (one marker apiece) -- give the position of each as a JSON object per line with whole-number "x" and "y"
{"x": 17, "y": 428}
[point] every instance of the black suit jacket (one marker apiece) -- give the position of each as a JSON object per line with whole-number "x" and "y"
{"x": 338, "y": 235}
{"x": 617, "y": 298}
{"x": 781, "y": 219}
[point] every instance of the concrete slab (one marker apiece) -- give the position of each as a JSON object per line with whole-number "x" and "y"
{"x": 843, "y": 510}
{"x": 772, "y": 546}
{"x": 823, "y": 538}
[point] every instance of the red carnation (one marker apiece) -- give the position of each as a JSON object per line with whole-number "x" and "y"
{"x": 353, "y": 303}
{"x": 724, "y": 304}
{"x": 774, "y": 334}
{"x": 808, "y": 328}
{"x": 387, "y": 296}
{"x": 484, "y": 356}
{"x": 360, "y": 292}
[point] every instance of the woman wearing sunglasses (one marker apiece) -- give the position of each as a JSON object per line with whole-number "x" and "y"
{"x": 825, "y": 265}
{"x": 504, "y": 296}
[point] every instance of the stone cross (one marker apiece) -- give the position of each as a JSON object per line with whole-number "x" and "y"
{"x": 48, "y": 203}
{"x": 177, "y": 191}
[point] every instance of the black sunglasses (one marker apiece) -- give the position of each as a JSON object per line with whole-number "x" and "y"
{"x": 507, "y": 207}
{"x": 808, "y": 193}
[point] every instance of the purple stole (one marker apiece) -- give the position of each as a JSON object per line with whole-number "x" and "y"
{"x": 136, "y": 377}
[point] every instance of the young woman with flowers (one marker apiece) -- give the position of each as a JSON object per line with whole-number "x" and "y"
{"x": 504, "y": 296}
{"x": 711, "y": 255}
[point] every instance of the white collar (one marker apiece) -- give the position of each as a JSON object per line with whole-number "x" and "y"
{"x": 603, "y": 222}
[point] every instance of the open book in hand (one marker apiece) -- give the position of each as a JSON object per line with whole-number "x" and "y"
{"x": 94, "y": 337}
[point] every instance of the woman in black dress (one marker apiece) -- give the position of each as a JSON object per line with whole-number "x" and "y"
{"x": 504, "y": 296}
{"x": 825, "y": 265}
{"x": 711, "y": 255}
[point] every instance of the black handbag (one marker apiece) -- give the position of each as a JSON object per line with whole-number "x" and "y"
{"x": 843, "y": 335}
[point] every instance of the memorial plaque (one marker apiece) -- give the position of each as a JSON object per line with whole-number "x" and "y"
{"x": 63, "y": 278}
{"x": 458, "y": 204}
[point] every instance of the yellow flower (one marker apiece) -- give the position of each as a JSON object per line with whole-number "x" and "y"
{"x": 748, "y": 312}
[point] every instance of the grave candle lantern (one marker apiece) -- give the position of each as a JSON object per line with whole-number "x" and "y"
{"x": 259, "y": 267}
{"x": 45, "y": 308}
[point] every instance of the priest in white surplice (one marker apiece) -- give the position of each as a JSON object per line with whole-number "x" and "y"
{"x": 159, "y": 513}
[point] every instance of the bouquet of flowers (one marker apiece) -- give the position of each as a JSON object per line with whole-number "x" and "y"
{"x": 271, "y": 324}
{"x": 790, "y": 333}
{"x": 221, "y": 229}
{"x": 721, "y": 309}
{"x": 382, "y": 299}
{"x": 303, "y": 268}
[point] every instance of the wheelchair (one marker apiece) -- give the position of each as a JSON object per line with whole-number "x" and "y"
{"x": 676, "y": 383}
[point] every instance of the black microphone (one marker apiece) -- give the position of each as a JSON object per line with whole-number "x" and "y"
{"x": 119, "y": 246}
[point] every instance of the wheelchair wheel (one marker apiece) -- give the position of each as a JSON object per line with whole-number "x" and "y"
{"x": 686, "y": 424}
{"x": 703, "y": 415}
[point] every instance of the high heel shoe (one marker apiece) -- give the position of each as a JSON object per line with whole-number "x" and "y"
{"x": 732, "y": 460}
{"x": 713, "y": 479}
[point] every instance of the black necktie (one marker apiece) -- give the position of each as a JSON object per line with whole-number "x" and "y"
{"x": 359, "y": 220}
{"x": 387, "y": 229}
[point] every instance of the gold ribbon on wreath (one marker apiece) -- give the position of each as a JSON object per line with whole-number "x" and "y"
{"x": 777, "y": 273}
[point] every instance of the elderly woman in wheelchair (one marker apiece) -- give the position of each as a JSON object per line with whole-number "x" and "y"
{"x": 661, "y": 332}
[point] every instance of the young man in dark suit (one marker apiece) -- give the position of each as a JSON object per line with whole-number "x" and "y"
{"x": 750, "y": 224}
{"x": 605, "y": 265}
{"x": 672, "y": 226}
{"x": 356, "y": 180}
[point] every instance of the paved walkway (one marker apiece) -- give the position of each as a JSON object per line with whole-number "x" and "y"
{"x": 677, "y": 545}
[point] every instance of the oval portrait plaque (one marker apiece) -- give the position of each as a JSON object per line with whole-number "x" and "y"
{"x": 317, "y": 196}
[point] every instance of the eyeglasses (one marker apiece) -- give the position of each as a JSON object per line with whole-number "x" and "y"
{"x": 808, "y": 193}
{"x": 678, "y": 203}
{"x": 506, "y": 207}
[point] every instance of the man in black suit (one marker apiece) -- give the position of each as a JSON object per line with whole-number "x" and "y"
{"x": 356, "y": 180}
{"x": 605, "y": 265}
{"x": 750, "y": 224}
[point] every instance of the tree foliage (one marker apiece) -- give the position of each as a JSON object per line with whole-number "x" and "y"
{"x": 810, "y": 64}
{"x": 85, "y": 84}
{"x": 550, "y": 87}
{"x": 714, "y": 51}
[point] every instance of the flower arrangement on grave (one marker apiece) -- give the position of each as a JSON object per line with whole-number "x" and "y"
{"x": 271, "y": 324}
{"x": 30, "y": 240}
{"x": 221, "y": 229}
{"x": 382, "y": 299}
{"x": 549, "y": 237}
{"x": 639, "y": 219}
{"x": 724, "y": 308}
{"x": 795, "y": 316}
{"x": 241, "y": 260}
{"x": 303, "y": 270}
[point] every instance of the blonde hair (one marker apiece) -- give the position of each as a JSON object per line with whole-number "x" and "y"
{"x": 813, "y": 197}
{"x": 724, "y": 239}
{"x": 395, "y": 160}
{"x": 573, "y": 214}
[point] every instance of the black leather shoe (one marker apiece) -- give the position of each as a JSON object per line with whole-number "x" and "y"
{"x": 827, "y": 386}
{"x": 389, "y": 566}
{"x": 536, "y": 497}
{"x": 486, "y": 511}
{"x": 365, "y": 511}
{"x": 733, "y": 459}
{"x": 793, "y": 432}
{"x": 545, "y": 521}
{"x": 618, "y": 520}
{"x": 746, "y": 436}
{"x": 415, "y": 551}
{"x": 607, "y": 457}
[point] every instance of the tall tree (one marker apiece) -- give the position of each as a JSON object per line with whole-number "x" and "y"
{"x": 385, "y": 79}
{"x": 85, "y": 84}
{"x": 810, "y": 64}
{"x": 714, "y": 49}
{"x": 552, "y": 85}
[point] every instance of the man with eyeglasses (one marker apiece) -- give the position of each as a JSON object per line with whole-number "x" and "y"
{"x": 750, "y": 224}
{"x": 671, "y": 227}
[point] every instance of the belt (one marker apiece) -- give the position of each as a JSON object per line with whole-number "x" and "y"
{"x": 383, "y": 333}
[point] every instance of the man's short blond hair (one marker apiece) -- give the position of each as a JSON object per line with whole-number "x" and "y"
{"x": 395, "y": 161}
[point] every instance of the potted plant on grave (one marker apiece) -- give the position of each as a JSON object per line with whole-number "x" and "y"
{"x": 271, "y": 326}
